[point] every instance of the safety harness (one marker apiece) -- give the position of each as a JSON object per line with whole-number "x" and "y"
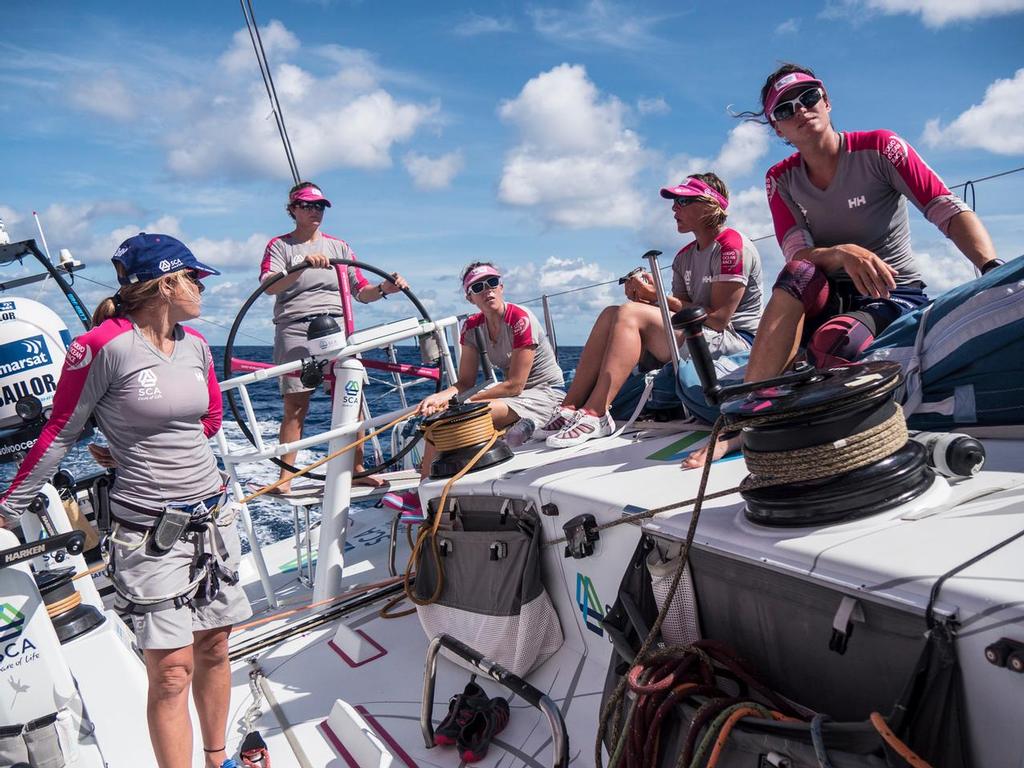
{"x": 207, "y": 570}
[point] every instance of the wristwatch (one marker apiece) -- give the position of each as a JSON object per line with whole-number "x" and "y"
{"x": 380, "y": 288}
{"x": 991, "y": 264}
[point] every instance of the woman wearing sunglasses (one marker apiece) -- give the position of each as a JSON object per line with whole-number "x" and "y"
{"x": 839, "y": 207}
{"x": 306, "y": 293}
{"x": 149, "y": 382}
{"x": 516, "y": 344}
{"x": 720, "y": 271}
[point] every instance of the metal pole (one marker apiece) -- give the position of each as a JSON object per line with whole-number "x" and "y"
{"x": 549, "y": 325}
{"x": 348, "y": 380}
{"x": 666, "y": 315}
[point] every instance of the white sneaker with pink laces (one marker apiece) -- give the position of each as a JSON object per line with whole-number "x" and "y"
{"x": 559, "y": 420}
{"x": 583, "y": 427}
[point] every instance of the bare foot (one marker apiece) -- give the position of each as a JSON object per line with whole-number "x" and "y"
{"x": 370, "y": 481}
{"x": 724, "y": 446}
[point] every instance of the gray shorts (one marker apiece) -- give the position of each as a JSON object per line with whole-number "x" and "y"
{"x": 290, "y": 344}
{"x": 535, "y": 403}
{"x": 140, "y": 573}
{"x": 725, "y": 342}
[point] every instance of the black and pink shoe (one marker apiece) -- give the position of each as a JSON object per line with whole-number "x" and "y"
{"x": 461, "y": 709}
{"x": 475, "y": 737}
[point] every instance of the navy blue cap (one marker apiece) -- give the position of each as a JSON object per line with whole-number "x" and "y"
{"x": 147, "y": 257}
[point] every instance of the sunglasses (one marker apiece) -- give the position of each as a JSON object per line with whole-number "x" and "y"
{"x": 306, "y": 205}
{"x": 809, "y": 99}
{"x": 482, "y": 285}
{"x": 196, "y": 278}
{"x": 682, "y": 202}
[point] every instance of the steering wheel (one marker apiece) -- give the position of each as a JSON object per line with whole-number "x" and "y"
{"x": 229, "y": 348}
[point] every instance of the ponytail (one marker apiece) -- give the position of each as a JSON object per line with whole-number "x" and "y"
{"x": 130, "y": 297}
{"x": 106, "y": 309}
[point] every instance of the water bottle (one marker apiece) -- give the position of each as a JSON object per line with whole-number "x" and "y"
{"x": 952, "y": 454}
{"x": 520, "y": 432}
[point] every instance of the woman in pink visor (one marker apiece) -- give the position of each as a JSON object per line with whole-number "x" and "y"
{"x": 516, "y": 344}
{"x": 839, "y": 205}
{"x": 720, "y": 271}
{"x": 306, "y": 293}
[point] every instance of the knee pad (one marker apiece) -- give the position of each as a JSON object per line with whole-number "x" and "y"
{"x": 839, "y": 340}
{"x": 805, "y": 283}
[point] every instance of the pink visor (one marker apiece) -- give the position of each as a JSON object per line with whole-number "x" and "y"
{"x": 309, "y": 195}
{"x": 478, "y": 273}
{"x": 694, "y": 187}
{"x": 783, "y": 84}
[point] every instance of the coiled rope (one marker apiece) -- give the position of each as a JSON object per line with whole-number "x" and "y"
{"x": 458, "y": 431}
{"x": 62, "y": 606}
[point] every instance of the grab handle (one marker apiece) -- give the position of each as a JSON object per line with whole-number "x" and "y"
{"x": 514, "y": 683}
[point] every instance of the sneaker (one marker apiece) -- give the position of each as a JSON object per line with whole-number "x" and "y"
{"x": 584, "y": 427}
{"x": 461, "y": 709}
{"x": 475, "y": 737}
{"x": 406, "y": 502}
{"x": 559, "y": 420}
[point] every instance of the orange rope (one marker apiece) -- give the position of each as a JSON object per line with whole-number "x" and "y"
{"x": 324, "y": 460}
{"x": 734, "y": 718}
{"x": 90, "y": 572}
{"x": 350, "y": 593}
{"x": 893, "y": 741}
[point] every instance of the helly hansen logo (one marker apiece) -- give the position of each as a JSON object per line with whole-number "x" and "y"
{"x": 856, "y": 202}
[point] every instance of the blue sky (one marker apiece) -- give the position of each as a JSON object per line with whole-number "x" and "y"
{"x": 533, "y": 134}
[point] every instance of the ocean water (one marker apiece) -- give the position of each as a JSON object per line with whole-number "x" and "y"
{"x": 272, "y": 519}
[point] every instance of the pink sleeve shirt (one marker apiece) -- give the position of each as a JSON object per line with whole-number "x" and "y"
{"x": 866, "y": 202}
{"x": 157, "y": 412}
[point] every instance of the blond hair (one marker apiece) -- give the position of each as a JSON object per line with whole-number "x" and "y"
{"x": 716, "y": 217}
{"x": 130, "y": 298}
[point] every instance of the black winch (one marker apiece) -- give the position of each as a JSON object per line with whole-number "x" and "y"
{"x": 822, "y": 446}
{"x": 459, "y": 433}
{"x": 68, "y": 614}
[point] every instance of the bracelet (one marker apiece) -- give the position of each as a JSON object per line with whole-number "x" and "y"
{"x": 991, "y": 264}
{"x": 380, "y": 288}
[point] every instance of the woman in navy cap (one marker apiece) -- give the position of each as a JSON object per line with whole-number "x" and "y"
{"x": 149, "y": 382}
{"x": 313, "y": 291}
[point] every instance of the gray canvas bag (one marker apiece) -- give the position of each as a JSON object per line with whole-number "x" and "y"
{"x": 492, "y": 595}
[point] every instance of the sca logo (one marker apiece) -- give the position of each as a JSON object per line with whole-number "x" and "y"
{"x": 12, "y": 624}
{"x": 148, "y": 390}
{"x": 589, "y": 604}
{"x": 351, "y": 392}
{"x": 23, "y": 355}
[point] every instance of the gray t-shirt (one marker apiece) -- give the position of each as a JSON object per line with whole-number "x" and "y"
{"x": 156, "y": 411}
{"x": 519, "y": 329}
{"x": 866, "y": 203}
{"x": 731, "y": 258}
{"x": 316, "y": 291}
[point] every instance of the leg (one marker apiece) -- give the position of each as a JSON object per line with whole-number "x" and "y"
{"x": 170, "y": 727}
{"x": 370, "y": 480}
{"x": 592, "y": 358}
{"x": 296, "y": 405}
{"x": 212, "y": 690}
{"x": 636, "y": 327}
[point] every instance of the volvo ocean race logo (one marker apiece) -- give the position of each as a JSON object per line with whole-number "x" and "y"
{"x": 23, "y": 355}
{"x": 148, "y": 390}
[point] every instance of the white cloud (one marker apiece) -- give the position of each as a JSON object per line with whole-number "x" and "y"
{"x": 433, "y": 172}
{"x": 788, "y": 27}
{"x": 576, "y": 161}
{"x": 934, "y": 13}
{"x": 529, "y": 280}
{"x": 597, "y": 22}
{"x": 943, "y": 267}
{"x": 655, "y": 106}
{"x": 105, "y": 95}
{"x": 746, "y": 144}
{"x": 277, "y": 41}
{"x": 996, "y": 125}
{"x": 475, "y": 24}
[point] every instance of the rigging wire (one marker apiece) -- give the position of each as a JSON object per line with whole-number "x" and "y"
{"x": 268, "y": 83}
{"x": 968, "y": 187}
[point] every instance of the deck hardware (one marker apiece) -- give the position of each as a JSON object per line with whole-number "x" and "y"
{"x": 848, "y": 612}
{"x": 1005, "y": 652}
{"x": 580, "y": 533}
{"x": 506, "y": 505}
{"x": 496, "y": 672}
{"x": 499, "y": 550}
{"x": 549, "y": 510}
{"x": 444, "y": 546}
